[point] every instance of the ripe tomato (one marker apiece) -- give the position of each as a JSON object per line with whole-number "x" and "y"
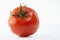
{"x": 23, "y": 21}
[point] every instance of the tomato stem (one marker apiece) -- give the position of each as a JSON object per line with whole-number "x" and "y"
{"x": 20, "y": 11}
{"x": 22, "y": 15}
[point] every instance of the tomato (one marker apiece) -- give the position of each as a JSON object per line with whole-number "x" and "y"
{"x": 23, "y": 21}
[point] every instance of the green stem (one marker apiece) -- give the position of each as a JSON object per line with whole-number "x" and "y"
{"x": 21, "y": 15}
{"x": 20, "y": 11}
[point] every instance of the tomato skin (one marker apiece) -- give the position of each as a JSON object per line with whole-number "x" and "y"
{"x": 24, "y": 26}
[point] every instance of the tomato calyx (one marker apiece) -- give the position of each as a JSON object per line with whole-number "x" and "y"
{"x": 20, "y": 14}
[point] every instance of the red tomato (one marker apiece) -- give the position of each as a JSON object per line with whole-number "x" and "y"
{"x": 23, "y": 21}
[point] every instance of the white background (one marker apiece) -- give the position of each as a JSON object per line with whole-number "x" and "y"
{"x": 49, "y": 17}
